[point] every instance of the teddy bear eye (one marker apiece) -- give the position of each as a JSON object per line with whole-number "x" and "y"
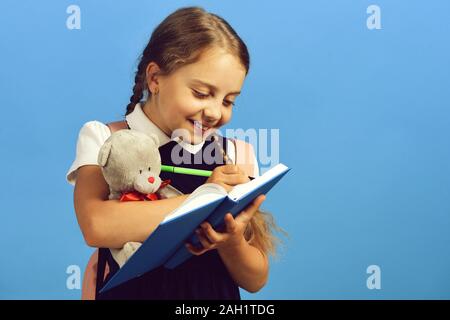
{"x": 140, "y": 171}
{"x": 149, "y": 169}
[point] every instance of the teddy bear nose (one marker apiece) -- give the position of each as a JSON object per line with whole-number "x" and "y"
{"x": 151, "y": 179}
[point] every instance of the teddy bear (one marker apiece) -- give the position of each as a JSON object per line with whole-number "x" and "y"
{"x": 131, "y": 165}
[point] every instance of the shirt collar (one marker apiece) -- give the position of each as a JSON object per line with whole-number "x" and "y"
{"x": 138, "y": 120}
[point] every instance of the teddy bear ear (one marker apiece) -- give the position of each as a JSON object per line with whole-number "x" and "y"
{"x": 154, "y": 137}
{"x": 104, "y": 152}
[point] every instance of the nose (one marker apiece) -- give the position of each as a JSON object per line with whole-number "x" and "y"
{"x": 151, "y": 179}
{"x": 212, "y": 113}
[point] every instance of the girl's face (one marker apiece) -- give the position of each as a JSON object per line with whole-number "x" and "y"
{"x": 201, "y": 92}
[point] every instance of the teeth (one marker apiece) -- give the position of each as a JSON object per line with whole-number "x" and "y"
{"x": 199, "y": 125}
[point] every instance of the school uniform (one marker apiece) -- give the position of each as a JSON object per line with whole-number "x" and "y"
{"x": 200, "y": 277}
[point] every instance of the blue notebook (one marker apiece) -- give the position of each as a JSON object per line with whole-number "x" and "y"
{"x": 166, "y": 245}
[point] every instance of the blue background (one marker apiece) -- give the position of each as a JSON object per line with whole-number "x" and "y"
{"x": 364, "y": 119}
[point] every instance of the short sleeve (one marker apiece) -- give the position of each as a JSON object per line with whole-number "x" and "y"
{"x": 91, "y": 137}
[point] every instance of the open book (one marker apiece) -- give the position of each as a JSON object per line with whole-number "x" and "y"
{"x": 166, "y": 245}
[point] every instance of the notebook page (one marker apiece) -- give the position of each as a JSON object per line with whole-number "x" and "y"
{"x": 206, "y": 193}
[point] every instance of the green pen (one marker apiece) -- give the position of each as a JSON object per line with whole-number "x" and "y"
{"x": 190, "y": 171}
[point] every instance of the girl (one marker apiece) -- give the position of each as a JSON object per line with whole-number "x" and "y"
{"x": 188, "y": 77}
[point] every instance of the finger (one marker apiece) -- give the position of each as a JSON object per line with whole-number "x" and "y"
{"x": 204, "y": 241}
{"x": 234, "y": 178}
{"x": 230, "y": 223}
{"x": 256, "y": 203}
{"x": 212, "y": 235}
{"x": 230, "y": 168}
{"x": 246, "y": 215}
{"x": 194, "y": 250}
{"x": 243, "y": 173}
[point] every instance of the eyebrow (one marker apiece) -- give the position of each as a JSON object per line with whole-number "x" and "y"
{"x": 214, "y": 88}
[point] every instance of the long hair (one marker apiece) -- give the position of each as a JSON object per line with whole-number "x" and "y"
{"x": 179, "y": 40}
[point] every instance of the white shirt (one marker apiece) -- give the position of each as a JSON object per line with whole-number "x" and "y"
{"x": 93, "y": 135}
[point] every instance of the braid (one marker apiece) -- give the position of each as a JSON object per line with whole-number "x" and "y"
{"x": 138, "y": 88}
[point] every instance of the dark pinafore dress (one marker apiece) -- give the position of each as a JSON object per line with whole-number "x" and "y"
{"x": 199, "y": 277}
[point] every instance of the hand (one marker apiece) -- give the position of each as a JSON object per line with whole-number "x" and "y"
{"x": 228, "y": 176}
{"x": 234, "y": 230}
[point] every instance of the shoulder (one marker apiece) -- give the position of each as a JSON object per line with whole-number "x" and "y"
{"x": 94, "y": 129}
{"x": 91, "y": 137}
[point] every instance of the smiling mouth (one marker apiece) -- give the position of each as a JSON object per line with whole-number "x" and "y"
{"x": 198, "y": 127}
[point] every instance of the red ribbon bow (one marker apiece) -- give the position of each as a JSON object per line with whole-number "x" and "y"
{"x": 137, "y": 196}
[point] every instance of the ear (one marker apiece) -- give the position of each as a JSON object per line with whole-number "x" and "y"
{"x": 155, "y": 139}
{"x": 104, "y": 152}
{"x": 151, "y": 73}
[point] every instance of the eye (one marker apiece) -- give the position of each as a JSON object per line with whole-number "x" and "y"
{"x": 200, "y": 95}
{"x": 149, "y": 169}
{"x": 140, "y": 171}
{"x": 228, "y": 103}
